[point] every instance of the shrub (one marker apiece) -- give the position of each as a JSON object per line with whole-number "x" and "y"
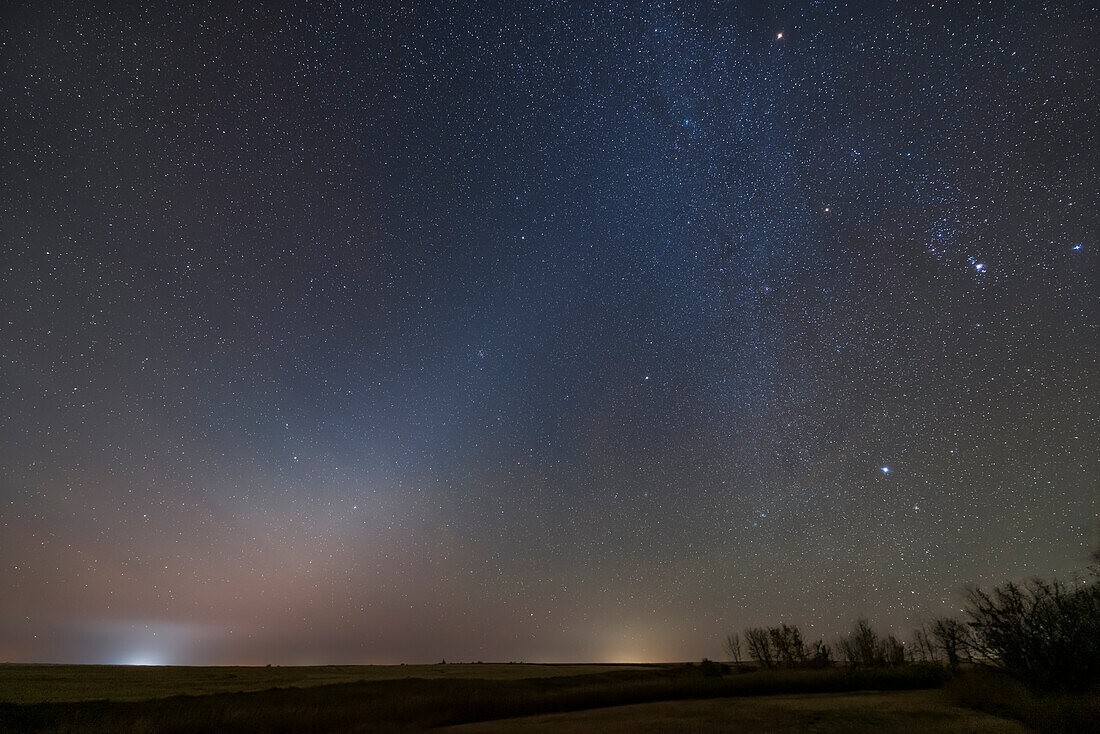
{"x": 711, "y": 669}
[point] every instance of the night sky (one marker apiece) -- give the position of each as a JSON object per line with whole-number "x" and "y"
{"x": 382, "y": 332}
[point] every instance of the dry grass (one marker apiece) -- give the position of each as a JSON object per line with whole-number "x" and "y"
{"x": 1055, "y": 713}
{"x": 57, "y": 683}
{"x": 419, "y": 704}
{"x": 898, "y": 712}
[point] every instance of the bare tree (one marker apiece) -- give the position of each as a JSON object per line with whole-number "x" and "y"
{"x": 893, "y": 651}
{"x": 863, "y": 646}
{"x": 822, "y": 656}
{"x": 733, "y": 647}
{"x": 866, "y": 642}
{"x": 790, "y": 650}
{"x": 953, "y": 637}
{"x": 924, "y": 647}
{"x": 1044, "y": 633}
{"x": 760, "y": 648}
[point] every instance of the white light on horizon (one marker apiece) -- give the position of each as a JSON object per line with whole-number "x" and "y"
{"x": 143, "y": 659}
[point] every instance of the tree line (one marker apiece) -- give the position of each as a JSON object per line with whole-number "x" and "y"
{"x": 1044, "y": 633}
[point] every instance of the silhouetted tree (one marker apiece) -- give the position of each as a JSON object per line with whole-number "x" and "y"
{"x": 893, "y": 651}
{"x": 924, "y": 647}
{"x": 733, "y": 647}
{"x": 1044, "y": 633}
{"x": 862, "y": 646}
{"x": 786, "y": 642}
{"x": 952, "y": 637}
{"x": 822, "y": 656}
{"x": 760, "y": 648}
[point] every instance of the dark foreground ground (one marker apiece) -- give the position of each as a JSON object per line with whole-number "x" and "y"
{"x": 66, "y": 683}
{"x": 475, "y": 698}
{"x": 897, "y": 712}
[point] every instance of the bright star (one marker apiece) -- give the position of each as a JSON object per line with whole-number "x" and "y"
{"x": 980, "y": 267}
{"x": 779, "y": 36}
{"x": 885, "y": 470}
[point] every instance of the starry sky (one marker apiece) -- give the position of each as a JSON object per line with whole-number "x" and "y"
{"x": 380, "y": 332}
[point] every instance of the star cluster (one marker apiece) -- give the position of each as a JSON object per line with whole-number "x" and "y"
{"x": 554, "y": 331}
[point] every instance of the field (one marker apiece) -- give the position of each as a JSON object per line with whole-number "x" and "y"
{"x": 898, "y": 712}
{"x": 60, "y": 683}
{"x": 481, "y": 698}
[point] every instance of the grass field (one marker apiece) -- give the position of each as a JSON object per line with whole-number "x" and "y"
{"x": 63, "y": 699}
{"x": 898, "y": 712}
{"x": 26, "y": 684}
{"x": 441, "y": 696}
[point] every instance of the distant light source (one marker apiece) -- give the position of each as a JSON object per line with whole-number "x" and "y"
{"x": 142, "y": 659}
{"x": 885, "y": 470}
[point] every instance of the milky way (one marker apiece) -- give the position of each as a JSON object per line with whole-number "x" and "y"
{"x": 380, "y": 333}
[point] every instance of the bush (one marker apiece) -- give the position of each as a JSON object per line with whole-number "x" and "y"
{"x": 711, "y": 669}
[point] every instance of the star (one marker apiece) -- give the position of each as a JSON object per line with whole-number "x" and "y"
{"x": 355, "y": 270}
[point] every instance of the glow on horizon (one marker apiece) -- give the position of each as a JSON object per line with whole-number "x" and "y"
{"x": 143, "y": 660}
